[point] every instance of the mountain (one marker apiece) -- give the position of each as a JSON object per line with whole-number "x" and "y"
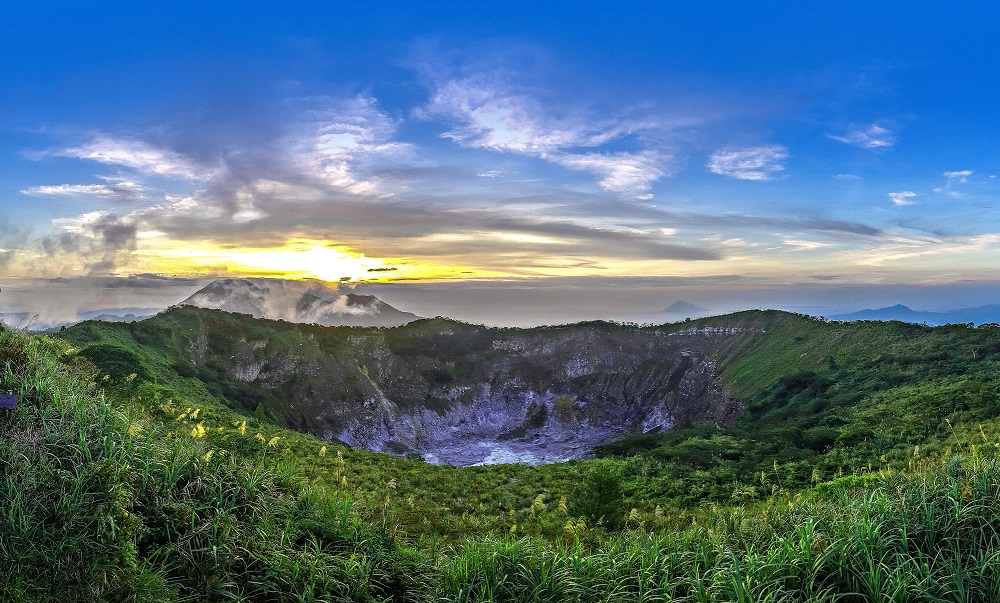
{"x": 453, "y": 393}
{"x": 856, "y": 437}
{"x": 119, "y": 314}
{"x": 978, "y": 315}
{"x": 685, "y": 309}
{"x": 787, "y": 387}
{"x": 308, "y": 302}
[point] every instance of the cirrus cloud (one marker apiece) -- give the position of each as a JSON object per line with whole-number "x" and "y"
{"x": 137, "y": 155}
{"x": 117, "y": 189}
{"x": 751, "y": 163}
{"x": 873, "y": 136}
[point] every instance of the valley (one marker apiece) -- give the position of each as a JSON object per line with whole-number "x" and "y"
{"x": 444, "y": 391}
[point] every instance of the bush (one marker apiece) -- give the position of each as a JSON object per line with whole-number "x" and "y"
{"x": 599, "y": 496}
{"x": 117, "y": 362}
{"x": 819, "y": 438}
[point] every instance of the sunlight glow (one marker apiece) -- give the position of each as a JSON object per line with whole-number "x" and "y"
{"x": 296, "y": 259}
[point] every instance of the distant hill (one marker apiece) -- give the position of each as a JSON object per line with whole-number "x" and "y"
{"x": 308, "y": 302}
{"x": 683, "y": 309}
{"x": 120, "y": 314}
{"x": 978, "y": 315}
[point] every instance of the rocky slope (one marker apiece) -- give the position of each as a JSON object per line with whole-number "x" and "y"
{"x": 297, "y": 301}
{"x": 451, "y": 392}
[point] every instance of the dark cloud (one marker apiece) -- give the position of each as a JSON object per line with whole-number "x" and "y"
{"x": 115, "y": 233}
{"x": 145, "y": 281}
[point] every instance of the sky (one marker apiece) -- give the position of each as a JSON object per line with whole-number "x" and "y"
{"x": 506, "y": 163}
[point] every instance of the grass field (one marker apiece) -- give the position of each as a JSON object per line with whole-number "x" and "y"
{"x": 124, "y": 488}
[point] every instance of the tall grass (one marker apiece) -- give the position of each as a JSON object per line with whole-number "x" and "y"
{"x": 98, "y": 504}
{"x": 931, "y": 537}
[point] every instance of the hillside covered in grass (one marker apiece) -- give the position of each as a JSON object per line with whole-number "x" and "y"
{"x": 822, "y": 399}
{"x": 127, "y": 481}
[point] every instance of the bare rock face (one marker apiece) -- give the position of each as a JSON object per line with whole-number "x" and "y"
{"x": 464, "y": 395}
{"x": 308, "y": 302}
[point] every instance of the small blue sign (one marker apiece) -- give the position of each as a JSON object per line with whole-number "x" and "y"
{"x": 8, "y": 401}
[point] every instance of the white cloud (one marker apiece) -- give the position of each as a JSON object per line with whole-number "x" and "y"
{"x": 901, "y": 248}
{"x": 804, "y": 245}
{"x": 960, "y": 177}
{"x": 488, "y": 114}
{"x": 630, "y": 174}
{"x": 870, "y": 137}
{"x": 903, "y": 198}
{"x": 954, "y": 179}
{"x": 137, "y": 155}
{"x": 753, "y": 163}
{"x": 344, "y": 143}
{"x": 82, "y": 224}
{"x": 494, "y": 116}
{"x": 115, "y": 188}
{"x": 246, "y": 208}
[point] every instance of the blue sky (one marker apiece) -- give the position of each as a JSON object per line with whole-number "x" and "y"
{"x": 502, "y": 162}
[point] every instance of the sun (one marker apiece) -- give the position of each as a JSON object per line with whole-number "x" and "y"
{"x": 294, "y": 259}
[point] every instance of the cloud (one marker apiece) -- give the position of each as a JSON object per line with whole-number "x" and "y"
{"x": 903, "y": 248}
{"x": 960, "y": 177}
{"x": 902, "y": 198}
{"x": 246, "y": 208}
{"x": 491, "y": 114}
{"x": 100, "y": 241}
{"x": 346, "y": 143}
{"x": 117, "y": 189}
{"x": 109, "y": 230}
{"x": 137, "y": 155}
{"x": 804, "y": 245}
{"x": 490, "y": 111}
{"x": 631, "y": 174}
{"x": 753, "y": 163}
{"x": 873, "y": 136}
{"x": 954, "y": 179}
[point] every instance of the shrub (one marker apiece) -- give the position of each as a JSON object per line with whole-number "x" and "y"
{"x": 599, "y": 496}
{"x": 117, "y": 362}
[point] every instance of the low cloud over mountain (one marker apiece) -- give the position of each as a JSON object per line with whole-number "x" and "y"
{"x": 298, "y": 301}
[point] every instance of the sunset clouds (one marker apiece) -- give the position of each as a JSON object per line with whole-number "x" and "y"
{"x": 469, "y": 146}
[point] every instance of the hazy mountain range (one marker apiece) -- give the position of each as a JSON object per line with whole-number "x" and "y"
{"x": 978, "y": 315}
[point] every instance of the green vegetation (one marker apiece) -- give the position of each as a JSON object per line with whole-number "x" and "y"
{"x": 824, "y": 399}
{"x": 865, "y": 469}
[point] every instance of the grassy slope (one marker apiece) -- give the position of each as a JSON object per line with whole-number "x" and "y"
{"x": 824, "y": 399}
{"x": 101, "y": 505}
{"x": 424, "y": 500}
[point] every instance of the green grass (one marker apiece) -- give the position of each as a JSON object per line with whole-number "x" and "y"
{"x": 100, "y": 505}
{"x": 111, "y": 492}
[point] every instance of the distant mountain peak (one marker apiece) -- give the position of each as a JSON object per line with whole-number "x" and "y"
{"x": 310, "y": 302}
{"x": 683, "y": 307}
